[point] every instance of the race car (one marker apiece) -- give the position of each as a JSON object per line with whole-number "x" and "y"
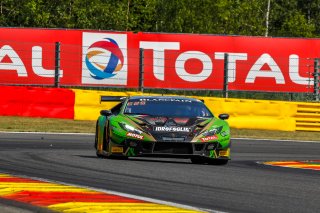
{"x": 162, "y": 126}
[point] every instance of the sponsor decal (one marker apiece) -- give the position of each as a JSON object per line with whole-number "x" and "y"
{"x": 134, "y": 135}
{"x": 117, "y": 149}
{"x": 171, "y": 129}
{"x": 224, "y": 153}
{"x": 173, "y": 138}
{"x": 174, "y": 60}
{"x": 256, "y": 65}
{"x": 104, "y": 58}
{"x": 136, "y": 103}
{"x": 166, "y": 99}
{"x": 209, "y": 138}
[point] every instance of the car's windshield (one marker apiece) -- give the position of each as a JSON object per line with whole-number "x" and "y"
{"x": 170, "y": 107}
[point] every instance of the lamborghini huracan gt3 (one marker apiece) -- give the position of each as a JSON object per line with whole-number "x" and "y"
{"x": 162, "y": 126}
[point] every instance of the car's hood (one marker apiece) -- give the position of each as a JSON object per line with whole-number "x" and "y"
{"x": 171, "y": 128}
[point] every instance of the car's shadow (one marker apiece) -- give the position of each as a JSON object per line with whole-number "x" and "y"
{"x": 160, "y": 160}
{"x": 87, "y": 156}
{"x": 147, "y": 160}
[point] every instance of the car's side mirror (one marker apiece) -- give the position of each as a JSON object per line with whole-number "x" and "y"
{"x": 224, "y": 116}
{"x": 105, "y": 112}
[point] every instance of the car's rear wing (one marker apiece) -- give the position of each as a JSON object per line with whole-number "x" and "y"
{"x": 112, "y": 98}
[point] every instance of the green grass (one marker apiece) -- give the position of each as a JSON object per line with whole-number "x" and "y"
{"x": 26, "y": 124}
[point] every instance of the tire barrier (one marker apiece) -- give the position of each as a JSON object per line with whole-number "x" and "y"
{"x": 37, "y": 102}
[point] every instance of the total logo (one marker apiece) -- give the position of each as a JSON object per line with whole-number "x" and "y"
{"x": 101, "y": 70}
{"x": 104, "y": 58}
{"x": 133, "y": 135}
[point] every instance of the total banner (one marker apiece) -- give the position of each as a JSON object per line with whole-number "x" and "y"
{"x": 28, "y": 56}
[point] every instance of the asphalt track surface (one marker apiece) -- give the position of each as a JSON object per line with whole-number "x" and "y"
{"x": 241, "y": 186}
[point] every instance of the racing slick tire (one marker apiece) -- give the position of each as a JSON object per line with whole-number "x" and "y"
{"x": 106, "y": 147}
{"x": 96, "y": 143}
{"x": 96, "y": 137}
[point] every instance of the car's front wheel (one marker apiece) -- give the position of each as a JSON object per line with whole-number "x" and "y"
{"x": 96, "y": 137}
{"x": 105, "y": 144}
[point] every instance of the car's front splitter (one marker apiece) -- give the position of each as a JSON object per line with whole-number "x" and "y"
{"x": 137, "y": 148}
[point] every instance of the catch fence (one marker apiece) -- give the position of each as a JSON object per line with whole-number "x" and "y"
{"x": 206, "y": 65}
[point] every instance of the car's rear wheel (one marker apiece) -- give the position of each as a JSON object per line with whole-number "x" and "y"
{"x": 100, "y": 155}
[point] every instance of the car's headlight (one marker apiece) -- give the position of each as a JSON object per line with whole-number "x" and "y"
{"x": 129, "y": 128}
{"x": 212, "y": 131}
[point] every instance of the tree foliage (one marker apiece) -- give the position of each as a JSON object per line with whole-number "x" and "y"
{"x": 288, "y": 18}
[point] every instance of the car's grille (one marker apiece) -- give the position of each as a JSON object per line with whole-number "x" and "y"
{"x": 170, "y": 136}
{"x": 169, "y": 147}
{"x": 199, "y": 146}
{"x": 177, "y": 139}
{"x": 147, "y": 147}
{"x": 172, "y": 147}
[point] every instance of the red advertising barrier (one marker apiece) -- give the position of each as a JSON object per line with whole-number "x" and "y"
{"x": 173, "y": 61}
{"x": 37, "y": 102}
{"x": 27, "y": 56}
{"x": 255, "y": 63}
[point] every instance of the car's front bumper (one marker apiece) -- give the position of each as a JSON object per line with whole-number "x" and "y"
{"x": 175, "y": 149}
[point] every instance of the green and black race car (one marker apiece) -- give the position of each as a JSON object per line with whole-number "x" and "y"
{"x": 162, "y": 126}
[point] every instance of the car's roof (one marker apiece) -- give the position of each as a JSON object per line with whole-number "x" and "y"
{"x": 162, "y": 97}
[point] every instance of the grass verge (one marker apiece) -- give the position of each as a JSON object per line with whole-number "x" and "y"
{"x": 26, "y": 124}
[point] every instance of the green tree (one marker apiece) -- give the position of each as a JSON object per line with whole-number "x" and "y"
{"x": 288, "y": 20}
